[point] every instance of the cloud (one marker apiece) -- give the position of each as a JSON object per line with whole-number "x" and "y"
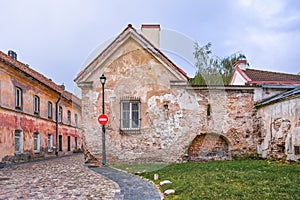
{"x": 270, "y": 34}
{"x": 269, "y": 13}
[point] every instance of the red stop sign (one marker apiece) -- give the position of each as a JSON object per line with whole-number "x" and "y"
{"x": 102, "y": 119}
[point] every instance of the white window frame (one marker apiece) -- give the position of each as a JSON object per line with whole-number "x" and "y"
{"x": 20, "y": 141}
{"x": 50, "y": 142}
{"x": 131, "y": 120}
{"x": 50, "y": 110}
{"x": 36, "y": 105}
{"x": 36, "y": 142}
{"x": 18, "y": 98}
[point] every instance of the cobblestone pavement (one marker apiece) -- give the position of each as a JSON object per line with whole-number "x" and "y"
{"x": 132, "y": 187}
{"x": 61, "y": 178}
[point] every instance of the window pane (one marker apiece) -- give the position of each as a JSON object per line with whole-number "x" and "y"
{"x": 135, "y": 106}
{"x": 60, "y": 114}
{"x": 126, "y": 119}
{"x": 125, "y": 115}
{"x": 36, "y": 104}
{"x": 135, "y": 120}
{"x": 135, "y": 115}
{"x": 18, "y": 96}
{"x": 49, "y": 109}
{"x": 49, "y": 142}
{"x": 126, "y": 106}
{"x": 130, "y": 118}
{"x": 18, "y": 141}
{"x": 36, "y": 142}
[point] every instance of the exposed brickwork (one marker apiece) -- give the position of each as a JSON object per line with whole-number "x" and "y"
{"x": 171, "y": 116}
{"x": 209, "y": 147}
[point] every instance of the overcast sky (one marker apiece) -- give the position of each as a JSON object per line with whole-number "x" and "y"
{"x": 55, "y": 37}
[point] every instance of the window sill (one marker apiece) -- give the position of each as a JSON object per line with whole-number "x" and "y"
{"x": 130, "y": 131}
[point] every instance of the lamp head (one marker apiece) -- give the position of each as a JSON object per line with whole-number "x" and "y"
{"x": 102, "y": 79}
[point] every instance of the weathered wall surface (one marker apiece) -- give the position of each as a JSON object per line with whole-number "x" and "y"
{"x": 280, "y": 128}
{"x": 11, "y": 121}
{"x": 25, "y": 120}
{"x": 172, "y": 116}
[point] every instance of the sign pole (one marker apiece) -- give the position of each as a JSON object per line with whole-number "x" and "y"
{"x": 102, "y": 119}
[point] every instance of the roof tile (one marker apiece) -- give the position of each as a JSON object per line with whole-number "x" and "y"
{"x": 267, "y": 76}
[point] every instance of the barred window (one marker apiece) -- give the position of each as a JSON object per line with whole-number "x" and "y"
{"x": 130, "y": 115}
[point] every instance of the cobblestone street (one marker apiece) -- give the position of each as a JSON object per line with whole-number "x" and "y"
{"x": 62, "y": 178}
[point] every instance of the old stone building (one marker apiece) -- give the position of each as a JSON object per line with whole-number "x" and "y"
{"x": 38, "y": 118}
{"x": 280, "y": 125}
{"x": 156, "y": 116}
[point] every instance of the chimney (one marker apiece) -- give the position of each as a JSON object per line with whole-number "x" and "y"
{"x": 62, "y": 86}
{"x": 152, "y": 33}
{"x": 12, "y": 54}
{"x": 242, "y": 64}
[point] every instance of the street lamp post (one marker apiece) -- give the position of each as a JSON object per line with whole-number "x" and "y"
{"x": 102, "y": 80}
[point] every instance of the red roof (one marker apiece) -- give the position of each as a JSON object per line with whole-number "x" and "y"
{"x": 38, "y": 77}
{"x": 267, "y": 77}
{"x": 144, "y": 38}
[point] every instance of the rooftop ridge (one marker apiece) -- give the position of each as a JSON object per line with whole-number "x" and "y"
{"x": 39, "y": 77}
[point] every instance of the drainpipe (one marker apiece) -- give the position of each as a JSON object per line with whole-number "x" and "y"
{"x": 56, "y": 119}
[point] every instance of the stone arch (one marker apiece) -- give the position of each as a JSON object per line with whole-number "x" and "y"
{"x": 209, "y": 146}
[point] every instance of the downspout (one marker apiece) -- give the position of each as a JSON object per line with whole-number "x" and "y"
{"x": 56, "y": 119}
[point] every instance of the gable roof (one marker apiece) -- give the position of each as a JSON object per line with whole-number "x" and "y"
{"x": 279, "y": 97}
{"x": 118, "y": 40}
{"x": 17, "y": 65}
{"x": 267, "y": 76}
{"x": 259, "y": 77}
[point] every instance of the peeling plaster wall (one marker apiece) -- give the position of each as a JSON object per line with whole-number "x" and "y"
{"x": 166, "y": 133}
{"x": 12, "y": 119}
{"x": 280, "y": 128}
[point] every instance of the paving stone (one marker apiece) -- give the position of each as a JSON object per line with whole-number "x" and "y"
{"x": 132, "y": 187}
{"x": 61, "y": 178}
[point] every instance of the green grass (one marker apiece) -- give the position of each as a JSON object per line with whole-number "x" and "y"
{"x": 140, "y": 168}
{"x": 242, "y": 179}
